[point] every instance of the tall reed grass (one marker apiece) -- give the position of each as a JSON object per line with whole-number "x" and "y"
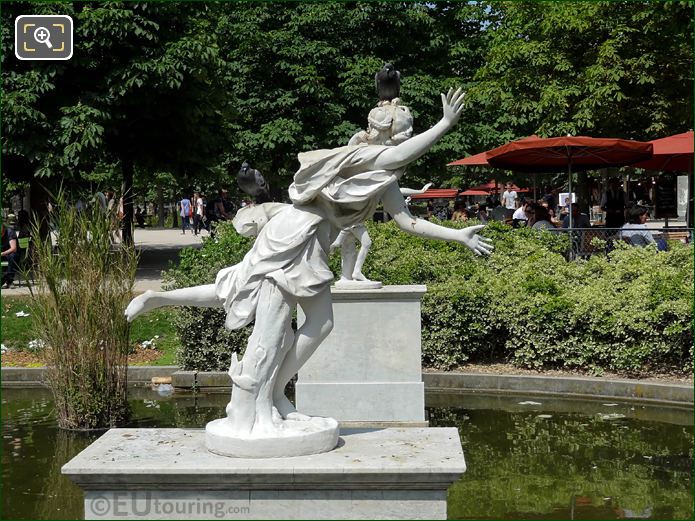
{"x": 84, "y": 283}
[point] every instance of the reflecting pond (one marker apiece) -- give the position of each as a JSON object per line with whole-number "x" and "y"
{"x": 527, "y": 457}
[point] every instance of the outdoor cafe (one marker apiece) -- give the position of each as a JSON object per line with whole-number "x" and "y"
{"x": 655, "y": 175}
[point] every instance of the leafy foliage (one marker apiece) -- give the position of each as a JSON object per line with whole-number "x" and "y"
{"x": 143, "y": 92}
{"x": 302, "y": 74}
{"x": 145, "y": 84}
{"x": 205, "y": 343}
{"x": 619, "y": 69}
{"x": 195, "y": 89}
{"x": 628, "y": 311}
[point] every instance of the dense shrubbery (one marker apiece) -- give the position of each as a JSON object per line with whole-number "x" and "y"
{"x": 627, "y": 311}
{"x": 205, "y": 343}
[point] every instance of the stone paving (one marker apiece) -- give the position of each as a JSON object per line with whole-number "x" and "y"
{"x": 157, "y": 246}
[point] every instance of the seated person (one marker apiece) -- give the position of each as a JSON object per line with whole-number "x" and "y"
{"x": 519, "y": 218}
{"x": 460, "y": 212}
{"x": 539, "y": 217}
{"x": 551, "y": 212}
{"x": 579, "y": 220}
{"x": 482, "y": 214}
{"x": 499, "y": 214}
{"x": 635, "y": 229}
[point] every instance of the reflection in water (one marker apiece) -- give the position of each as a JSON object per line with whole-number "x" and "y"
{"x": 34, "y": 449}
{"x": 553, "y": 460}
{"x": 537, "y": 462}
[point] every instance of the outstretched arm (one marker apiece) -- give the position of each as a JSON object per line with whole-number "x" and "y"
{"x": 414, "y": 191}
{"x": 408, "y": 151}
{"x": 395, "y": 205}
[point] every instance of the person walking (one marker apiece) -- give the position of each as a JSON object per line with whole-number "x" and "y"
{"x": 10, "y": 253}
{"x": 198, "y": 212}
{"x": 185, "y": 213}
{"x": 509, "y": 198}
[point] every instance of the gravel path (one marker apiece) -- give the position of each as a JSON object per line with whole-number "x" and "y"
{"x": 677, "y": 377}
{"x": 157, "y": 247}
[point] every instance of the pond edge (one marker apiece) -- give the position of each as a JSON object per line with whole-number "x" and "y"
{"x": 665, "y": 393}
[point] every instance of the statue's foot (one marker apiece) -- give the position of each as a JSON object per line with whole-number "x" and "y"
{"x": 284, "y": 407}
{"x": 139, "y": 305}
{"x": 358, "y": 275}
{"x": 343, "y": 278}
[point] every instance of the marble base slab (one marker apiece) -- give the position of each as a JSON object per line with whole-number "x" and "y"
{"x": 389, "y": 473}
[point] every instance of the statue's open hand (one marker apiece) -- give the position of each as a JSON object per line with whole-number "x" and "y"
{"x": 479, "y": 245}
{"x": 453, "y": 105}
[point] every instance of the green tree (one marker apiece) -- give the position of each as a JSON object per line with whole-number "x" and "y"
{"x": 611, "y": 69}
{"x": 144, "y": 89}
{"x": 617, "y": 69}
{"x": 303, "y": 75}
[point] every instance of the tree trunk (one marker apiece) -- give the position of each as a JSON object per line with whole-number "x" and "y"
{"x": 174, "y": 214}
{"x": 160, "y": 205}
{"x": 39, "y": 198}
{"x": 583, "y": 192}
{"x": 128, "y": 169}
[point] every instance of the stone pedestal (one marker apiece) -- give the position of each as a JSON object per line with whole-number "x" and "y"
{"x": 395, "y": 473}
{"x": 369, "y": 369}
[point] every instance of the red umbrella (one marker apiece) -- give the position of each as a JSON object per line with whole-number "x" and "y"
{"x": 470, "y": 191}
{"x": 492, "y": 186}
{"x": 673, "y": 153}
{"x": 567, "y": 153}
{"x": 570, "y": 153}
{"x": 481, "y": 159}
{"x": 437, "y": 193}
{"x": 476, "y": 160}
{"x": 488, "y": 187}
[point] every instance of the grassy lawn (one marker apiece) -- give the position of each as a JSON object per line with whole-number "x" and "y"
{"x": 16, "y": 331}
{"x": 156, "y": 322}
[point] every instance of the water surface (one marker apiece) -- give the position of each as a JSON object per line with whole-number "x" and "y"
{"x": 528, "y": 458}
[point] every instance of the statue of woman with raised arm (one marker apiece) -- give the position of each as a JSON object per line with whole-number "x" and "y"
{"x": 288, "y": 266}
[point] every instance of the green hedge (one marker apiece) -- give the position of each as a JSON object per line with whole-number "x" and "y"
{"x": 205, "y": 343}
{"x": 627, "y": 311}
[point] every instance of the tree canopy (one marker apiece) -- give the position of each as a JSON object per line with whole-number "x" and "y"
{"x": 614, "y": 69}
{"x": 145, "y": 82}
{"x": 304, "y": 74}
{"x": 194, "y": 89}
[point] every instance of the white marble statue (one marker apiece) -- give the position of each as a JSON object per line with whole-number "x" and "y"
{"x": 288, "y": 266}
{"x": 352, "y": 260}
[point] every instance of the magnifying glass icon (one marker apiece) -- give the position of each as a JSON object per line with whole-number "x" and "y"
{"x": 42, "y": 35}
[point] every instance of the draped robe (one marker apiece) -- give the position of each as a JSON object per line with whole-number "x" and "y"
{"x": 332, "y": 190}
